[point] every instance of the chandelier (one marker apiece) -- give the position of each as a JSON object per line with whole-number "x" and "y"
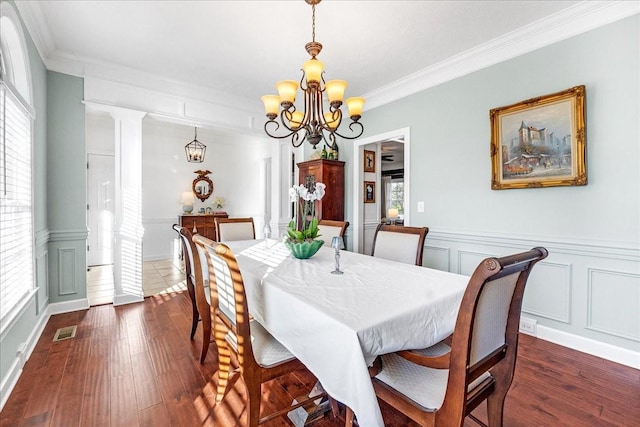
{"x": 195, "y": 150}
{"x": 313, "y": 123}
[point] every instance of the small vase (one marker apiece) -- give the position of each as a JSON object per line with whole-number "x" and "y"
{"x": 304, "y": 250}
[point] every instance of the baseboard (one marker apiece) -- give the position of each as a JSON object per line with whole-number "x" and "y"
{"x": 68, "y": 306}
{"x": 586, "y": 345}
{"x": 123, "y": 299}
{"x": 22, "y": 355}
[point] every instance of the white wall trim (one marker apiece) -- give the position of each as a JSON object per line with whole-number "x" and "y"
{"x": 580, "y": 18}
{"x": 68, "y": 235}
{"x": 586, "y": 345}
{"x": 559, "y": 244}
{"x": 68, "y": 306}
{"x": 24, "y": 352}
{"x": 572, "y": 21}
{"x": 124, "y": 299}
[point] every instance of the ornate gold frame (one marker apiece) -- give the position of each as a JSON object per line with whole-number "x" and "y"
{"x": 534, "y": 166}
{"x": 207, "y": 185}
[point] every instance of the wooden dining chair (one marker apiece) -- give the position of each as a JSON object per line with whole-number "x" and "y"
{"x": 399, "y": 243}
{"x": 230, "y": 229}
{"x": 328, "y": 229}
{"x": 441, "y": 385}
{"x": 245, "y": 349}
{"x": 197, "y": 280}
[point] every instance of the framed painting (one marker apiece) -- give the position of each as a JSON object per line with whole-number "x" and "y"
{"x": 540, "y": 142}
{"x": 369, "y": 191}
{"x": 369, "y": 161}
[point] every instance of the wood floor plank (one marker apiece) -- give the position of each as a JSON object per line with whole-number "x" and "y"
{"x": 154, "y": 416}
{"x": 124, "y": 410}
{"x": 45, "y": 394}
{"x": 96, "y": 399}
{"x": 67, "y": 411}
{"x": 135, "y": 365}
{"x": 144, "y": 378}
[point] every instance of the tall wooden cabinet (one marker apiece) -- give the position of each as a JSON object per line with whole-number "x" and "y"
{"x": 331, "y": 173}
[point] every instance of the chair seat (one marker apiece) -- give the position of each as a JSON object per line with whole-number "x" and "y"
{"x": 410, "y": 379}
{"x": 266, "y": 349}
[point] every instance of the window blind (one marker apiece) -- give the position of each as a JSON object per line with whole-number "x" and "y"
{"x": 16, "y": 224}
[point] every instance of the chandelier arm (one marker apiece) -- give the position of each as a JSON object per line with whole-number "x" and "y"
{"x": 288, "y": 114}
{"x": 296, "y": 141}
{"x": 272, "y": 135}
{"x": 351, "y": 127}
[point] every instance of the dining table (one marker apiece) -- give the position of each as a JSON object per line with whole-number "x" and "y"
{"x": 336, "y": 324}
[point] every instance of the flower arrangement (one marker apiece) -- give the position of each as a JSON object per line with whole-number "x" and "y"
{"x": 307, "y": 228}
{"x": 219, "y": 202}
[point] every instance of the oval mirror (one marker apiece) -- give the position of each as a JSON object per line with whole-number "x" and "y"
{"x": 202, "y": 186}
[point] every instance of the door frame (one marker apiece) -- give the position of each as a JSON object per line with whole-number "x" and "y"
{"x": 358, "y": 177}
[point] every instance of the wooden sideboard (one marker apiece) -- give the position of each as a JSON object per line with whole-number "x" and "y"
{"x": 203, "y": 225}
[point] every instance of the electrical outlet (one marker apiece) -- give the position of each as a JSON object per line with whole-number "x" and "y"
{"x": 528, "y": 326}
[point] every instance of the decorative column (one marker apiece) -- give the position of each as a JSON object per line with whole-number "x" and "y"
{"x": 128, "y": 230}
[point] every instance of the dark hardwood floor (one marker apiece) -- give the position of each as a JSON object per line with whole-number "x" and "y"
{"x": 134, "y": 365}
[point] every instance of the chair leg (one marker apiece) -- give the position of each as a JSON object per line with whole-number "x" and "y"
{"x": 348, "y": 417}
{"x": 206, "y": 336}
{"x": 224, "y": 371}
{"x": 253, "y": 404}
{"x": 194, "y": 306}
{"x": 495, "y": 409}
{"x": 335, "y": 411}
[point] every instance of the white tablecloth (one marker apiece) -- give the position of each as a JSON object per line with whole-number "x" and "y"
{"x": 337, "y": 324}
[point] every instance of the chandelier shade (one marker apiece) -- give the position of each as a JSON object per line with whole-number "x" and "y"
{"x": 315, "y": 121}
{"x": 195, "y": 150}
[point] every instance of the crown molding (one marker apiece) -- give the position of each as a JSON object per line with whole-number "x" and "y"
{"x": 578, "y": 19}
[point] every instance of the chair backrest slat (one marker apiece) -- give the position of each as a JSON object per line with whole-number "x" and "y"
{"x": 231, "y": 300}
{"x": 399, "y": 243}
{"x": 328, "y": 229}
{"x": 231, "y": 229}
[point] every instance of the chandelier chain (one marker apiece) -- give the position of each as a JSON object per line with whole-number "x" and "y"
{"x": 313, "y": 23}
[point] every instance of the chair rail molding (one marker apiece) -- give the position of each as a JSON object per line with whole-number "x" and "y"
{"x": 583, "y": 296}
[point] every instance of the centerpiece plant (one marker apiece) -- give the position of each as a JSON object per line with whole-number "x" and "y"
{"x": 302, "y": 232}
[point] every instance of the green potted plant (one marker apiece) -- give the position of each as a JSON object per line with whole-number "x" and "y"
{"x": 302, "y": 232}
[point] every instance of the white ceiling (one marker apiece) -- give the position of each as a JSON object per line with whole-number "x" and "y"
{"x": 241, "y": 48}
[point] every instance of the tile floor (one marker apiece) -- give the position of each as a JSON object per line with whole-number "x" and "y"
{"x": 158, "y": 277}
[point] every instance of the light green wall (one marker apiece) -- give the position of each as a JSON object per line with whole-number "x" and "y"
{"x": 67, "y": 152}
{"x": 67, "y": 181}
{"x": 450, "y": 136}
{"x": 592, "y": 231}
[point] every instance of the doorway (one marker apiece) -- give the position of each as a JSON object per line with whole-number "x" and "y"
{"x": 399, "y": 135}
{"x": 100, "y": 208}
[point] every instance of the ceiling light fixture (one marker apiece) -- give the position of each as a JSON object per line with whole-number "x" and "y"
{"x": 195, "y": 150}
{"x": 317, "y": 124}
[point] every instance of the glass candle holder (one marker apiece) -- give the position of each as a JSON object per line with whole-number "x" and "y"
{"x": 337, "y": 243}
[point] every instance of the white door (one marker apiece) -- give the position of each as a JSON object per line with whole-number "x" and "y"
{"x": 100, "y": 208}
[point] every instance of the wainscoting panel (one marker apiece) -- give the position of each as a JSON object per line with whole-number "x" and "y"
{"x": 158, "y": 238}
{"x": 468, "y": 261}
{"x": 67, "y": 271}
{"x": 584, "y": 295}
{"x": 42, "y": 282}
{"x": 614, "y": 300}
{"x": 436, "y": 257}
{"x": 548, "y": 292}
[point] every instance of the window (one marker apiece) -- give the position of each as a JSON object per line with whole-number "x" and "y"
{"x": 16, "y": 214}
{"x": 396, "y": 199}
